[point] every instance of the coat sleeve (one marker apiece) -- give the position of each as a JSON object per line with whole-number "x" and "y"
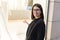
{"x": 40, "y": 31}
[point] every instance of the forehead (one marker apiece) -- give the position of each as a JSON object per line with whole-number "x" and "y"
{"x": 35, "y": 7}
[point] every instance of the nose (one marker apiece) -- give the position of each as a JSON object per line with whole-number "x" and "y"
{"x": 35, "y": 11}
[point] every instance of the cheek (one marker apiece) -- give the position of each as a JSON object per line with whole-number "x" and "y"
{"x": 38, "y": 12}
{"x": 34, "y": 12}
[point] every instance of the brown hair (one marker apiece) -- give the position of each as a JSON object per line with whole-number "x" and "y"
{"x": 39, "y": 6}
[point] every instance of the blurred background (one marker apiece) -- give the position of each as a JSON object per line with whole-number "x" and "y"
{"x": 14, "y": 12}
{"x": 12, "y": 15}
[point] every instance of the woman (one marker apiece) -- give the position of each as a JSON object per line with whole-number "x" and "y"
{"x": 36, "y": 29}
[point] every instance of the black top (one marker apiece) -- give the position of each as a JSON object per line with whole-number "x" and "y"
{"x": 36, "y": 30}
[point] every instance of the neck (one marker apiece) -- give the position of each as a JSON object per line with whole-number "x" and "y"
{"x": 37, "y": 17}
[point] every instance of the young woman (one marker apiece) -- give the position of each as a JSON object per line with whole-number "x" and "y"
{"x": 36, "y": 29}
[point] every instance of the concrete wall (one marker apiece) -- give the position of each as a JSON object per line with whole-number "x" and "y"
{"x": 19, "y": 14}
{"x": 53, "y": 32}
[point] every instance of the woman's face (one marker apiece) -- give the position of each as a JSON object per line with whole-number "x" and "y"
{"x": 36, "y": 12}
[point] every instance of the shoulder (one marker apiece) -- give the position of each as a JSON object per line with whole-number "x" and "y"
{"x": 40, "y": 21}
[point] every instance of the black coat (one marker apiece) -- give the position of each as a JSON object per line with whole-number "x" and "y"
{"x": 36, "y": 30}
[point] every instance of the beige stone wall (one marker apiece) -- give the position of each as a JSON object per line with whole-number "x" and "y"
{"x": 19, "y": 14}
{"x": 30, "y": 2}
{"x": 53, "y": 32}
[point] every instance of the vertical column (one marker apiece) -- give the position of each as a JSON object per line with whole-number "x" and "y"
{"x": 4, "y": 21}
{"x": 30, "y": 2}
{"x": 53, "y": 32}
{"x": 50, "y": 18}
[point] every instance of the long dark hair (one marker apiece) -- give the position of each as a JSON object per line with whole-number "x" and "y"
{"x": 39, "y": 6}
